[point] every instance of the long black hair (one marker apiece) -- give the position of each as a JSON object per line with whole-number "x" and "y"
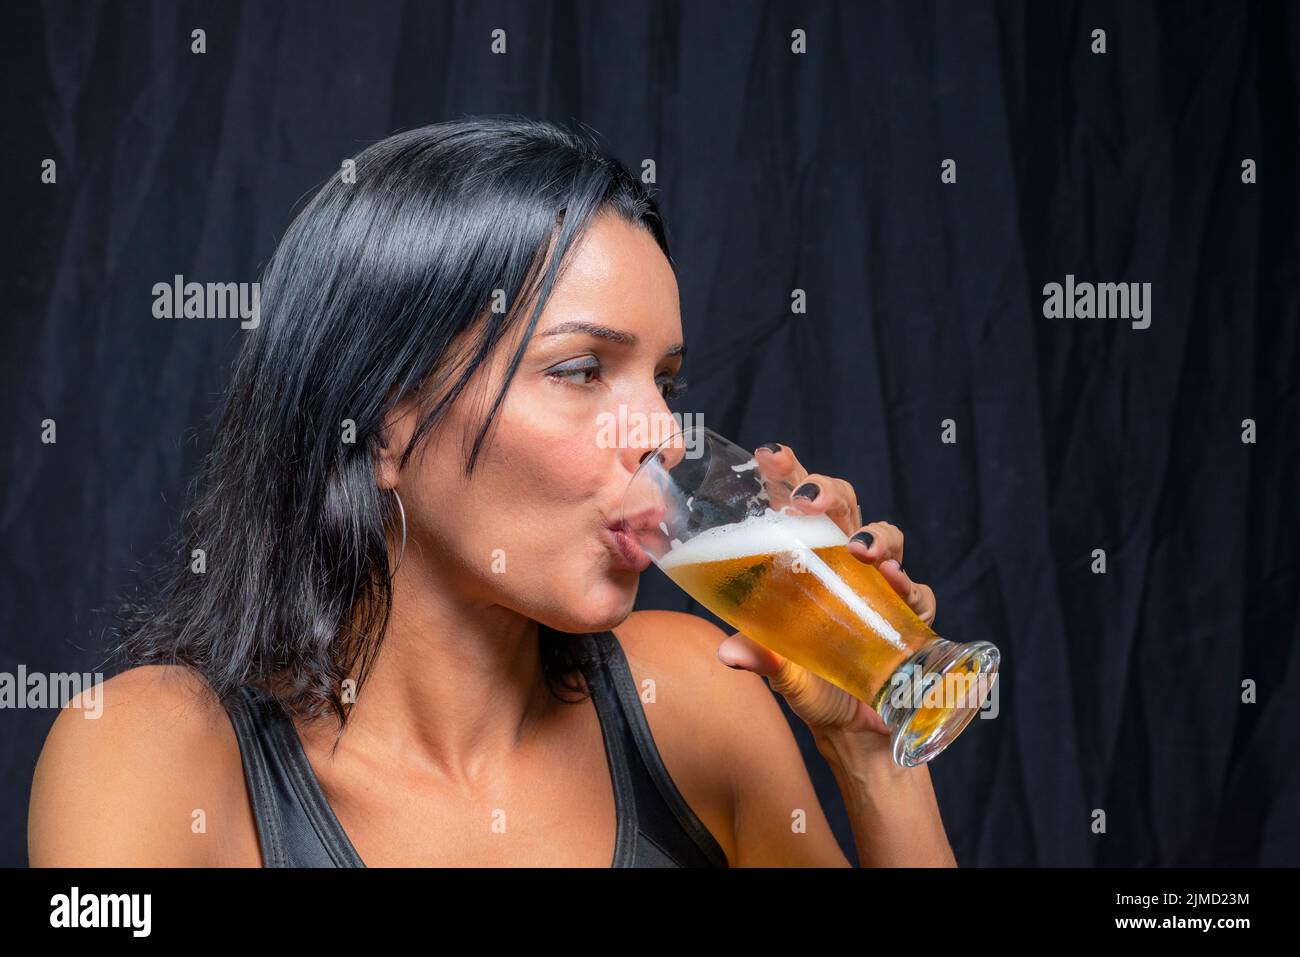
{"x": 385, "y": 280}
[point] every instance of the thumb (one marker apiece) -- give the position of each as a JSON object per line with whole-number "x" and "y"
{"x": 741, "y": 651}
{"x": 811, "y": 697}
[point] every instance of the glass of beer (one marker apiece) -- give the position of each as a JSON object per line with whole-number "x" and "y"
{"x": 701, "y": 509}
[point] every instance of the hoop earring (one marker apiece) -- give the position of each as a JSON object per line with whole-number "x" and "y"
{"x": 401, "y": 554}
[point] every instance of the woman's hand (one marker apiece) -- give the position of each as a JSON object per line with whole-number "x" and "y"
{"x": 818, "y": 702}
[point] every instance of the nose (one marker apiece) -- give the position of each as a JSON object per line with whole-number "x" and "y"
{"x": 670, "y": 453}
{"x": 665, "y": 439}
{"x": 648, "y": 429}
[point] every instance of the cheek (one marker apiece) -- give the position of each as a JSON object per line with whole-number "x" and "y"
{"x": 573, "y": 471}
{"x": 535, "y": 499}
{"x": 539, "y": 490}
{"x": 550, "y": 464}
{"x": 528, "y": 533}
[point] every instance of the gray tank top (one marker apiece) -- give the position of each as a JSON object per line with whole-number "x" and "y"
{"x": 296, "y": 826}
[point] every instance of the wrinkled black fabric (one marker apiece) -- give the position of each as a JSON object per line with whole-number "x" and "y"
{"x": 1120, "y": 692}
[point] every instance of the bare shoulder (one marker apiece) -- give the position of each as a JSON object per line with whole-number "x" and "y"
{"x": 726, "y": 742}
{"x": 678, "y": 652}
{"x": 143, "y": 770}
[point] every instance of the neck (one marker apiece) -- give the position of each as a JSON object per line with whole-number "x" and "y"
{"x": 456, "y": 688}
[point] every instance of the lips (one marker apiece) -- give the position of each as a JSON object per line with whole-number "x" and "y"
{"x": 627, "y": 551}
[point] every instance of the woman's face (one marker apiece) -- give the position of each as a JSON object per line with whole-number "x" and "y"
{"x": 530, "y": 530}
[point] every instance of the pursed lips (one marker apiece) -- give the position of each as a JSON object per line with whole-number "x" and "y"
{"x": 626, "y": 549}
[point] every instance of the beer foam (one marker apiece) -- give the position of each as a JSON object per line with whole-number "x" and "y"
{"x": 764, "y": 534}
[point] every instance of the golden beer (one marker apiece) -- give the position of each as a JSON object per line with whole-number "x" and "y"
{"x": 789, "y": 582}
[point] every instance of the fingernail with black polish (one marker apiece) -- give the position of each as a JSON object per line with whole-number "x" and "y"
{"x": 771, "y": 446}
{"x": 866, "y": 538}
{"x": 808, "y": 490}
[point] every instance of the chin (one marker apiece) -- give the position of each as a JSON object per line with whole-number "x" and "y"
{"x": 601, "y": 608}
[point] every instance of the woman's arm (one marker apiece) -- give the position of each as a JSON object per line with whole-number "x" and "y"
{"x": 778, "y": 819}
{"x": 893, "y": 810}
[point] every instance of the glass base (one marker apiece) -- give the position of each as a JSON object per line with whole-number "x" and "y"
{"x": 934, "y": 694}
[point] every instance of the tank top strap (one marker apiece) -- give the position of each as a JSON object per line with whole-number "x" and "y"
{"x": 668, "y": 833}
{"x": 295, "y": 825}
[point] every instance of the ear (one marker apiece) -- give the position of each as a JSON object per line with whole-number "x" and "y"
{"x": 399, "y": 426}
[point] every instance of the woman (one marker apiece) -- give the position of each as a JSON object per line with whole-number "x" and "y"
{"x": 404, "y": 531}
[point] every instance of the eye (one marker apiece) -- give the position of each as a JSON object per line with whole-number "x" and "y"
{"x": 670, "y": 386}
{"x": 562, "y": 374}
{"x": 673, "y": 386}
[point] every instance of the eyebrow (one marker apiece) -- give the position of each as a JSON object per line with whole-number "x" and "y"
{"x": 605, "y": 332}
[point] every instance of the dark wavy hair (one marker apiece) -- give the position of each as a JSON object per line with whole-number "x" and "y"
{"x": 376, "y": 290}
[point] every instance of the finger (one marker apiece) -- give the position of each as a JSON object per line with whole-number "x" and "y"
{"x": 794, "y": 682}
{"x": 781, "y": 472}
{"x": 822, "y": 494}
{"x": 741, "y": 651}
{"x": 783, "y": 675}
{"x": 877, "y": 542}
{"x": 920, "y": 598}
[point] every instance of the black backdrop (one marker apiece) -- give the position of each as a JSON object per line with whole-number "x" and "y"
{"x": 821, "y": 171}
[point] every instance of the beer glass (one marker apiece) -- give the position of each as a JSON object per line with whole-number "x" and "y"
{"x": 701, "y": 509}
